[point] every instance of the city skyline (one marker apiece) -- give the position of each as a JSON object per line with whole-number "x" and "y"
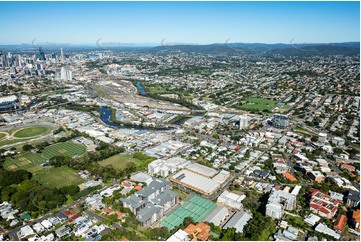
{"x": 158, "y": 23}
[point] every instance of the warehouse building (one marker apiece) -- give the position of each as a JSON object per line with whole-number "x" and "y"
{"x": 217, "y": 216}
{"x": 9, "y": 103}
{"x": 238, "y": 221}
{"x": 195, "y": 182}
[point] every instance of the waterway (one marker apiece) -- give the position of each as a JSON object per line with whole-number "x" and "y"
{"x": 141, "y": 88}
{"x": 106, "y": 113}
{"x": 106, "y": 117}
{"x": 27, "y": 107}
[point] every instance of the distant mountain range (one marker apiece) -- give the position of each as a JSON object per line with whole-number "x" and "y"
{"x": 347, "y": 48}
{"x": 302, "y": 50}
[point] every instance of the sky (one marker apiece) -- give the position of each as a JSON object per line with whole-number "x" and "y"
{"x": 126, "y": 23}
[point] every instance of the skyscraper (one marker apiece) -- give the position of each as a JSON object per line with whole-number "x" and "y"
{"x": 41, "y": 54}
{"x": 61, "y": 54}
{"x": 243, "y": 121}
{"x": 66, "y": 74}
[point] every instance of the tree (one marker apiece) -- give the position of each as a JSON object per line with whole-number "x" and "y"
{"x": 187, "y": 221}
{"x": 314, "y": 138}
{"x": 13, "y": 177}
{"x": 69, "y": 190}
{"x": 27, "y": 147}
{"x": 228, "y": 234}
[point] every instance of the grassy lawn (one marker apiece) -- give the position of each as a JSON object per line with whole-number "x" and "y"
{"x": 2, "y": 135}
{"x": 181, "y": 194}
{"x": 296, "y": 222}
{"x": 11, "y": 141}
{"x": 31, "y": 131}
{"x": 57, "y": 177}
{"x": 63, "y": 149}
{"x": 27, "y": 161}
{"x": 119, "y": 162}
{"x": 30, "y": 161}
{"x": 259, "y": 104}
{"x": 283, "y": 109}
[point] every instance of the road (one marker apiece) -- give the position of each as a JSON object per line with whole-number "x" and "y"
{"x": 94, "y": 215}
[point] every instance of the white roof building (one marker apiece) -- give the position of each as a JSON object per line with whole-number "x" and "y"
{"x": 6, "y": 99}
{"x": 231, "y": 199}
{"x": 203, "y": 170}
{"x": 278, "y": 201}
{"x": 296, "y": 190}
{"x": 26, "y": 231}
{"x": 180, "y": 235}
{"x": 238, "y": 221}
{"x": 166, "y": 167}
{"x": 322, "y": 228}
{"x": 312, "y": 219}
{"x": 217, "y": 216}
{"x": 195, "y": 181}
{"x": 47, "y": 224}
{"x": 38, "y": 227}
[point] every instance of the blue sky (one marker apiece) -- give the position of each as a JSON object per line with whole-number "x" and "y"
{"x": 179, "y": 22}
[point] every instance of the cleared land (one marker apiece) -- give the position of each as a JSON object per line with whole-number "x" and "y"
{"x": 119, "y": 162}
{"x": 31, "y": 131}
{"x": 58, "y": 177}
{"x": 124, "y": 91}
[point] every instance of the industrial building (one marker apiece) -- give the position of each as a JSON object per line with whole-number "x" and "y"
{"x": 238, "y": 221}
{"x": 9, "y": 103}
{"x": 199, "y": 182}
{"x": 195, "y": 181}
{"x": 217, "y": 216}
{"x": 202, "y": 170}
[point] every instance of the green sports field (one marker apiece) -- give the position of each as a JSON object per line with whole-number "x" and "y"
{"x": 23, "y": 134}
{"x": 63, "y": 149}
{"x": 31, "y": 161}
{"x": 119, "y": 162}
{"x": 196, "y": 207}
{"x": 259, "y": 104}
{"x": 58, "y": 177}
{"x": 31, "y": 131}
{"x": 27, "y": 161}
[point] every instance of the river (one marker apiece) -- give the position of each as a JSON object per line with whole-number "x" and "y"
{"x": 141, "y": 88}
{"x": 106, "y": 117}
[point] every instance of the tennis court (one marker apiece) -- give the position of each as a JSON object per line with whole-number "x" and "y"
{"x": 196, "y": 207}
